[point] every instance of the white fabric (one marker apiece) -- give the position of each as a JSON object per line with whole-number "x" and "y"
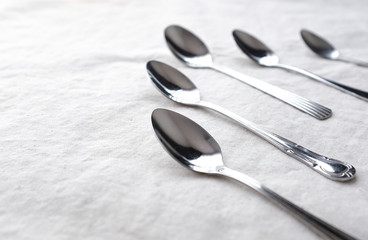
{"x": 79, "y": 158}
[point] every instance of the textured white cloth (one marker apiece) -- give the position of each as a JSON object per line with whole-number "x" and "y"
{"x": 79, "y": 158}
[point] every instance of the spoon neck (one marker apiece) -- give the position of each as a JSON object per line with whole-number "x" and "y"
{"x": 303, "y": 72}
{"x": 211, "y": 106}
{"x": 240, "y": 177}
{"x": 229, "y": 114}
{"x": 221, "y": 69}
{"x": 289, "y": 67}
{"x": 352, "y": 60}
{"x": 241, "y": 77}
{"x": 263, "y": 133}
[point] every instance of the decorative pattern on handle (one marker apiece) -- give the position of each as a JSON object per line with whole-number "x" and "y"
{"x": 328, "y": 167}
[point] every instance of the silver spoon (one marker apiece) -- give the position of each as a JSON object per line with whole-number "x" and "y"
{"x": 265, "y": 57}
{"x": 193, "y": 52}
{"x": 177, "y": 87}
{"x": 193, "y": 147}
{"x": 325, "y": 49}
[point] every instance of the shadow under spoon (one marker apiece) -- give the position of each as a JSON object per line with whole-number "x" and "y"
{"x": 264, "y": 56}
{"x": 193, "y": 52}
{"x": 194, "y": 148}
{"x": 325, "y": 49}
{"x": 177, "y": 87}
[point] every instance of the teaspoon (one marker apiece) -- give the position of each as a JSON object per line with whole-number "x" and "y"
{"x": 264, "y": 56}
{"x": 177, "y": 87}
{"x": 194, "y": 148}
{"x": 325, "y": 49}
{"x": 193, "y": 52}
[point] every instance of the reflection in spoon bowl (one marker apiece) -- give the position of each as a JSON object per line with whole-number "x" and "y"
{"x": 172, "y": 83}
{"x": 255, "y": 49}
{"x": 188, "y": 47}
{"x": 187, "y": 142}
{"x": 193, "y": 147}
{"x": 319, "y": 45}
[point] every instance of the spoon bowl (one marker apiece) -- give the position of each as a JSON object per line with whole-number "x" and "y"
{"x": 187, "y": 142}
{"x": 319, "y": 45}
{"x": 172, "y": 83}
{"x": 187, "y": 47}
{"x": 255, "y": 49}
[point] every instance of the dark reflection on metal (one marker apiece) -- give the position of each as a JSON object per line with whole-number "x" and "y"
{"x": 182, "y": 40}
{"x": 185, "y": 140}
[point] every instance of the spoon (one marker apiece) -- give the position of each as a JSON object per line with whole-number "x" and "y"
{"x": 193, "y": 52}
{"x": 265, "y": 57}
{"x": 325, "y": 49}
{"x": 177, "y": 87}
{"x": 193, "y": 147}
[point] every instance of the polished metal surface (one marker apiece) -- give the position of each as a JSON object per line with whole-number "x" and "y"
{"x": 177, "y": 87}
{"x": 193, "y": 52}
{"x": 325, "y": 49}
{"x": 264, "y": 56}
{"x": 193, "y": 147}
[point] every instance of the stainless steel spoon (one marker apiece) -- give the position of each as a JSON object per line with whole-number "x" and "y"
{"x": 325, "y": 49}
{"x": 193, "y": 147}
{"x": 265, "y": 57}
{"x": 193, "y": 52}
{"x": 177, "y": 87}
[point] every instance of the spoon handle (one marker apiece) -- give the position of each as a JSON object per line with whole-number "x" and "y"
{"x": 322, "y": 228}
{"x": 330, "y": 168}
{"x": 353, "y": 60}
{"x": 314, "y": 109}
{"x": 352, "y": 91}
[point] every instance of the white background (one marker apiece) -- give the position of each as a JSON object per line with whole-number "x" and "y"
{"x": 78, "y": 156}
